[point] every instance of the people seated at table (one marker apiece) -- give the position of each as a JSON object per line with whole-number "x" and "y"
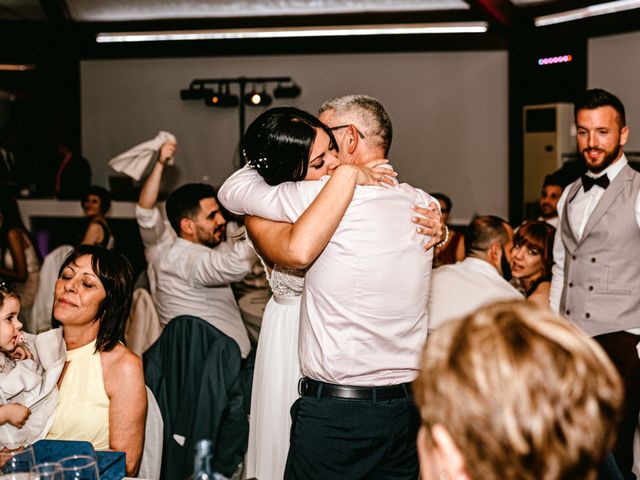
{"x": 29, "y": 369}
{"x": 452, "y": 250}
{"x": 95, "y": 205}
{"x": 102, "y": 392}
{"x": 513, "y": 392}
{"x": 532, "y": 259}
{"x": 481, "y": 278}
{"x": 20, "y": 262}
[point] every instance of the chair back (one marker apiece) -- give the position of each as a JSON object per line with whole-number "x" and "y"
{"x": 151, "y": 462}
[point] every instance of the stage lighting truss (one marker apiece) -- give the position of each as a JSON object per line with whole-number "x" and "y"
{"x": 216, "y": 92}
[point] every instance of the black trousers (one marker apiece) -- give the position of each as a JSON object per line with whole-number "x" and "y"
{"x": 621, "y": 348}
{"x": 353, "y": 439}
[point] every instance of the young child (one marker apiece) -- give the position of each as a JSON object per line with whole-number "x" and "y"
{"x": 29, "y": 369}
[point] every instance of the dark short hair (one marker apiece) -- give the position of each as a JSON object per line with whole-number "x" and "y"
{"x": 441, "y": 196}
{"x": 482, "y": 232}
{"x": 116, "y": 275}
{"x": 554, "y": 179}
{"x": 596, "y": 98}
{"x": 537, "y": 235}
{"x": 100, "y": 192}
{"x": 278, "y": 143}
{"x": 184, "y": 202}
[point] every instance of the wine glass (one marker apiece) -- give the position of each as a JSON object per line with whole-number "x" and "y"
{"x": 16, "y": 461}
{"x": 80, "y": 467}
{"x": 47, "y": 471}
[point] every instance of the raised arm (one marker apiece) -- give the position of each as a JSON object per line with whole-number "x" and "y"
{"x": 151, "y": 187}
{"x": 153, "y": 230}
{"x": 298, "y": 245}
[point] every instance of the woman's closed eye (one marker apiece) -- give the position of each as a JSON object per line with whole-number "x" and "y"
{"x": 318, "y": 164}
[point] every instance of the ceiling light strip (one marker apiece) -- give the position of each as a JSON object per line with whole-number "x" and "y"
{"x": 294, "y": 32}
{"x": 586, "y": 12}
{"x": 11, "y": 67}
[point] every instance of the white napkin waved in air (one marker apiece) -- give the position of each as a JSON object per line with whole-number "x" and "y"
{"x": 134, "y": 162}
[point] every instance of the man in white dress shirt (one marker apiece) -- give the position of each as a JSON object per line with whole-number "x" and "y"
{"x": 548, "y": 201}
{"x": 596, "y": 275}
{"x": 193, "y": 275}
{"x": 363, "y": 316}
{"x": 460, "y": 289}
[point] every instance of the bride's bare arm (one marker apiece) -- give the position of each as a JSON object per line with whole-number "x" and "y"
{"x": 299, "y": 244}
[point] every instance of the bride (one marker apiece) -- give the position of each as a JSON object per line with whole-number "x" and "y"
{"x": 287, "y": 144}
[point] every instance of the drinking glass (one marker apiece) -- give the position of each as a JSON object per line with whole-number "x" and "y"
{"x": 47, "y": 471}
{"x": 80, "y": 467}
{"x": 19, "y": 460}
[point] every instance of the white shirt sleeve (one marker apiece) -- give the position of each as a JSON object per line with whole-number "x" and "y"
{"x": 154, "y": 231}
{"x": 229, "y": 262}
{"x": 557, "y": 279}
{"x": 246, "y": 193}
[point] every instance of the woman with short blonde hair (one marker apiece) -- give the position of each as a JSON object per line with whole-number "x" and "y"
{"x": 513, "y": 392}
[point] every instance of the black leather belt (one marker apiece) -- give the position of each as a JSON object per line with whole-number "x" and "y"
{"x": 308, "y": 387}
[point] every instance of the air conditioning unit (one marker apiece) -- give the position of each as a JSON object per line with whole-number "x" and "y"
{"x": 549, "y": 133}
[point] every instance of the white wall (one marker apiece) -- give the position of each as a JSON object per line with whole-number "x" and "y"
{"x": 613, "y": 66}
{"x": 449, "y": 112}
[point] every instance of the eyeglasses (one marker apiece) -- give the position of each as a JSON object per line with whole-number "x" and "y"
{"x": 360, "y": 134}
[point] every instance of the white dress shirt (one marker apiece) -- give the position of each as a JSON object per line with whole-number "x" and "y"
{"x": 460, "y": 289}
{"x": 157, "y": 236}
{"x": 582, "y": 207}
{"x": 553, "y": 221}
{"x": 363, "y": 310}
{"x": 193, "y": 279}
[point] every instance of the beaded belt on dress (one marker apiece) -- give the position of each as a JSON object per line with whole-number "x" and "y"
{"x": 293, "y": 300}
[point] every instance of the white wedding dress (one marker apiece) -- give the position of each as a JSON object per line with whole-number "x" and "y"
{"x": 275, "y": 378}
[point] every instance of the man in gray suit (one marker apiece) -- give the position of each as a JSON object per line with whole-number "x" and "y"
{"x": 596, "y": 276}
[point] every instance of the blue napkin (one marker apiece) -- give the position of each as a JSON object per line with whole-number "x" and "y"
{"x": 110, "y": 464}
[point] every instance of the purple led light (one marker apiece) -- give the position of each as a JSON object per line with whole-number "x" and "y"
{"x": 554, "y": 60}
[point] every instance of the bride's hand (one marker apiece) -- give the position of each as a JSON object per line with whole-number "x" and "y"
{"x": 375, "y": 172}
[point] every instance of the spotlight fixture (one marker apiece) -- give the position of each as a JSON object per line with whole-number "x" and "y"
{"x": 288, "y": 91}
{"x": 258, "y": 99}
{"x": 222, "y": 98}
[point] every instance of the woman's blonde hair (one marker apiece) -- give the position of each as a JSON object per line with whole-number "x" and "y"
{"x": 524, "y": 394}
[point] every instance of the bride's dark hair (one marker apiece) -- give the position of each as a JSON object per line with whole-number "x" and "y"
{"x": 278, "y": 143}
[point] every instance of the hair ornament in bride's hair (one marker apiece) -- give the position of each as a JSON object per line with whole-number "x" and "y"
{"x": 258, "y": 164}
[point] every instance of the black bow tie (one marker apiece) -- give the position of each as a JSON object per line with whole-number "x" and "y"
{"x": 588, "y": 182}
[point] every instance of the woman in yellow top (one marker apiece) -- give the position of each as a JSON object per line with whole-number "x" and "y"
{"x": 102, "y": 392}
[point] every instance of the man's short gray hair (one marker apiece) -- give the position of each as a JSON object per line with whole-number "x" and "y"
{"x": 366, "y": 113}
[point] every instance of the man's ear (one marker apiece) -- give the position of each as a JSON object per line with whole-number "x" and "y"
{"x": 495, "y": 250}
{"x": 352, "y": 139}
{"x": 187, "y": 226}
